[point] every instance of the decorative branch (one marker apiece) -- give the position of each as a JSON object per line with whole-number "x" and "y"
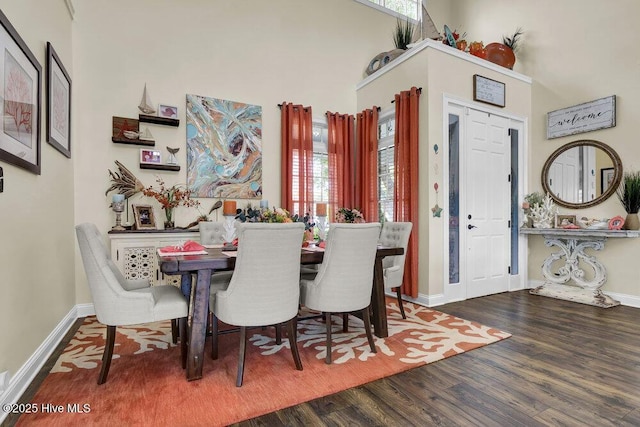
{"x": 124, "y": 182}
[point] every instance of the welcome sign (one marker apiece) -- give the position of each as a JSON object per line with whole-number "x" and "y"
{"x": 594, "y": 115}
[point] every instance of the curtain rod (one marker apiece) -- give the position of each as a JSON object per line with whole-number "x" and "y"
{"x": 419, "y": 91}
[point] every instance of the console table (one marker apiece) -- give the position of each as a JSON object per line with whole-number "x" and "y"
{"x": 572, "y": 244}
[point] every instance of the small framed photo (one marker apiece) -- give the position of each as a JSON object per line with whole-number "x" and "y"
{"x": 168, "y": 111}
{"x": 606, "y": 177}
{"x": 566, "y": 221}
{"x": 150, "y": 157}
{"x": 143, "y": 216}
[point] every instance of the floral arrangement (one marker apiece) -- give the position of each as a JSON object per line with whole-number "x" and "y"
{"x": 349, "y": 215}
{"x": 170, "y": 197}
{"x": 275, "y": 215}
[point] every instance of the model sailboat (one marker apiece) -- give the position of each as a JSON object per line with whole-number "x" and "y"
{"x": 145, "y": 135}
{"x": 145, "y": 103}
{"x": 428, "y": 29}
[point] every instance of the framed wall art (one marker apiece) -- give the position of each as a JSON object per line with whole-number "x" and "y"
{"x": 151, "y": 157}
{"x": 58, "y": 103}
{"x": 224, "y": 148}
{"x": 168, "y": 111}
{"x": 606, "y": 178}
{"x": 20, "y": 96}
{"x": 143, "y": 216}
{"x": 587, "y": 117}
{"x": 488, "y": 91}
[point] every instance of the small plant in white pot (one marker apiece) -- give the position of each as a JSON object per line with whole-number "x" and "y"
{"x": 629, "y": 195}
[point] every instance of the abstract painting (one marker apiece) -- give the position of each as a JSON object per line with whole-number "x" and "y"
{"x": 224, "y": 148}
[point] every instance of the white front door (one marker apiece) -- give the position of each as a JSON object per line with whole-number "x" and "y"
{"x": 486, "y": 207}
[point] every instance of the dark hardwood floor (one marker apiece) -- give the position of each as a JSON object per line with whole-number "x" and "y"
{"x": 567, "y": 364}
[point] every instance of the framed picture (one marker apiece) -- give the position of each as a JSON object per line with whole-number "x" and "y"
{"x": 152, "y": 157}
{"x": 20, "y": 96}
{"x": 606, "y": 177}
{"x": 586, "y": 117}
{"x": 58, "y": 103}
{"x": 563, "y": 221}
{"x": 488, "y": 91}
{"x": 168, "y": 111}
{"x": 143, "y": 216}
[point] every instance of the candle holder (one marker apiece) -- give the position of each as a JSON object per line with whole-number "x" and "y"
{"x": 118, "y": 208}
{"x": 322, "y": 224}
{"x": 229, "y": 228}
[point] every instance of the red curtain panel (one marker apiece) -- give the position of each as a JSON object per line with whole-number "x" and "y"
{"x": 406, "y": 179}
{"x": 341, "y": 161}
{"x": 296, "y": 179}
{"x": 366, "y": 197}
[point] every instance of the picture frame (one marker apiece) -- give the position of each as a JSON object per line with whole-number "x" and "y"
{"x": 58, "y": 103}
{"x": 21, "y": 93}
{"x": 606, "y": 177}
{"x": 143, "y": 217}
{"x": 565, "y": 220}
{"x": 167, "y": 111}
{"x": 150, "y": 157}
{"x": 488, "y": 91}
{"x": 585, "y": 117}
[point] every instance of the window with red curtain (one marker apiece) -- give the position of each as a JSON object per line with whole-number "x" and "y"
{"x": 406, "y": 179}
{"x": 366, "y": 197}
{"x": 341, "y": 161}
{"x": 296, "y": 178}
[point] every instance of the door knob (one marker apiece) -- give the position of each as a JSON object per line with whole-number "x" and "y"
{"x": 471, "y": 226}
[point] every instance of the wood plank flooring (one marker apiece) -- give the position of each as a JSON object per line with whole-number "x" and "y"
{"x": 566, "y": 364}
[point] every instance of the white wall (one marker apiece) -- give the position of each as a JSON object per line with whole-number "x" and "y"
{"x": 304, "y": 51}
{"x": 575, "y": 51}
{"x": 36, "y": 211}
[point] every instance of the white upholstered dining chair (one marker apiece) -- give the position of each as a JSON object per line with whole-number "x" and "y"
{"x": 264, "y": 289}
{"x": 119, "y": 302}
{"x": 396, "y": 235}
{"x": 345, "y": 278}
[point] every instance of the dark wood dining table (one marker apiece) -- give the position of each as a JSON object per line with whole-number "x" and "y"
{"x": 202, "y": 266}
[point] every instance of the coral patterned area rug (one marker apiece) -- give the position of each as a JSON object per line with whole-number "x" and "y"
{"x": 147, "y": 386}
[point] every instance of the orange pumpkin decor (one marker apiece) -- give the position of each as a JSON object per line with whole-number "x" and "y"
{"x": 477, "y": 49}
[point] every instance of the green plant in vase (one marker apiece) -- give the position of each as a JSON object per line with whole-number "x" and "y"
{"x": 629, "y": 195}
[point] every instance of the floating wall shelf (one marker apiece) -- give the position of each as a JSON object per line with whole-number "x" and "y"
{"x": 143, "y": 118}
{"x": 133, "y": 141}
{"x": 160, "y": 167}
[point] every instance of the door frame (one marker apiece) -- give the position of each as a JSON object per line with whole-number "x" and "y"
{"x": 454, "y": 105}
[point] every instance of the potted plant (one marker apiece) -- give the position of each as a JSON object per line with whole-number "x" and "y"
{"x": 403, "y": 34}
{"x": 629, "y": 195}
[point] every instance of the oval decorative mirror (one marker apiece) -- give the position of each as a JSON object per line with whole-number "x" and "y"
{"x": 582, "y": 173}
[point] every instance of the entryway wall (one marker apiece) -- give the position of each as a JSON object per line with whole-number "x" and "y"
{"x": 441, "y": 72}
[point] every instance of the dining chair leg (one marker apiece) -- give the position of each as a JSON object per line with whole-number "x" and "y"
{"x": 243, "y": 349}
{"x": 367, "y": 328}
{"x": 174, "y": 331}
{"x": 108, "y": 353}
{"x": 182, "y": 322}
{"x": 214, "y": 337}
{"x": 399, "y": 293}
{"x": 345, "y": 322}
{"x": 278, "y": 334}
{"x": 292, "y": 332}
{"x": 327, "y": 320}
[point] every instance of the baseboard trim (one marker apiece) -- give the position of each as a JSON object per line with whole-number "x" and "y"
{"x": 423, "y": 299}
{"x": 19, "y": 382}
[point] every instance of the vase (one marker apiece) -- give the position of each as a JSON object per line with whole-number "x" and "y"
{"x": 169, "y": 224}
{"x": 632, "y": 222}
{"x": 500, "y": 54}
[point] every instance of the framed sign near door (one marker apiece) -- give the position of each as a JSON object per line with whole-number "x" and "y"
{"x": 488, "y": 91}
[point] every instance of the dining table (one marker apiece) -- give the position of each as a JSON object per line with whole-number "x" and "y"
{"x": 196, "y": 271}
